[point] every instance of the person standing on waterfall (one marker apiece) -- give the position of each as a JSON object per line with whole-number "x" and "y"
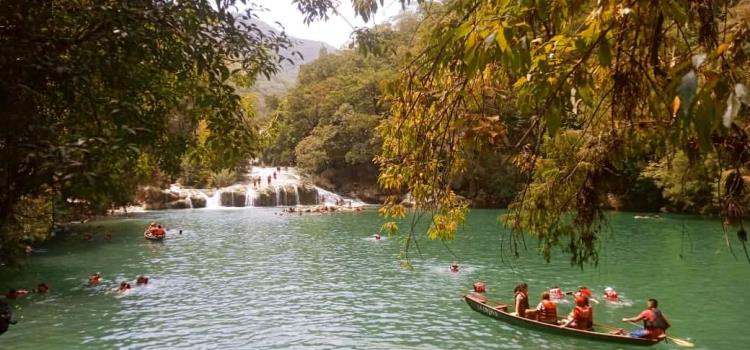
{"x": 269, "y": 180}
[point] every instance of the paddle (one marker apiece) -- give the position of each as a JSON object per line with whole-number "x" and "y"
{"x": 679, "y": 342}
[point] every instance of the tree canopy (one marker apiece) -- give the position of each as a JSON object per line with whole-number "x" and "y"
{"x": 576, "y": 92}
{"x": 95, "y": 95}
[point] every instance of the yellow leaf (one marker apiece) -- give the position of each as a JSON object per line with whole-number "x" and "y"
{"x": 722, "y": 48}
{"x": 675, "y": 105}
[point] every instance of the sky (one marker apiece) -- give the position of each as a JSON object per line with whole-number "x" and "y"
{"x": 336, "y": 31}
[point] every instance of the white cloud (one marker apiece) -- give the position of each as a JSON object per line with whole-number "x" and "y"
{"x": 336, "y": 31}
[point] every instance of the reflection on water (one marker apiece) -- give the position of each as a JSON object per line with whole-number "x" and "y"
{"x": 251, "y": 279}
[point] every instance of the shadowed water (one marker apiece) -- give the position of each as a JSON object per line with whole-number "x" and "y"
{"x": 251, "y": 279}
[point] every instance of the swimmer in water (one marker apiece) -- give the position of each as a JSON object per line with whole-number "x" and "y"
{"x": 141, "y": 280}
{"x": 377, "y": 237}
{"x": 124, "y": 287}
{"x": 610, "y": 294}
{"x": 41, "y": 288}
{"x": 454, "y": 267}
{"x": 95, "y": 279}
{"x": 16, "y": 293}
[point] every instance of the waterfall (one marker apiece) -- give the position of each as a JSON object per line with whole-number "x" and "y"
{"x": 296, "y": 195}
{"x": 278, "y": 195}
{"x": 250, "y": 196}
{"x": 215, "y": 201}
{"x": 189, "y": 202}
{"x": 205, "y": 197}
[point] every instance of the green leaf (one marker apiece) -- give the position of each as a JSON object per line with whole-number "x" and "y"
{"x": 553, "y": 121}
{"x": 674, "y": 9}
{"x": 605, "y": 53}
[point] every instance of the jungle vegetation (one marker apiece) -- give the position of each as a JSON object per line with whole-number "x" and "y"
{"x": 557, "y": 109}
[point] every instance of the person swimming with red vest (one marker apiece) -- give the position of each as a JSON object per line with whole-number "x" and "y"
{"x": 521, "y": 299}
{"x": 584, "y": 291}
{"x": 547, "y": 310}
{"x": 95, "y": 279}
{"x": 611, "y": 294}
{"x": 124, "y": 287}
{"x": 16, "y": 293}
{"x": 454, "y": 267}
{"x": 582, "y": 316}
{"x": 555, "y": 293}
{"x": 655, "y": 323}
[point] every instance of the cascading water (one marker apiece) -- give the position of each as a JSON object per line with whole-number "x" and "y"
{"x": 296, "y": 195}
{"x": 189, "y": 202}
{"x": 250, "y": 196}
{"x": 215, "y": 200}
{"x": 278, "y": 195}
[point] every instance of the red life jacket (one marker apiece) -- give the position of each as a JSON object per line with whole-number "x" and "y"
{"x": 584, "y": 317}
{"x": 585, "y": 292}
{"x": 548, "y": 312}
{"x": 611, "y": 295}
{"x": 555, "y": 293}
{"x": 658, "y": 323}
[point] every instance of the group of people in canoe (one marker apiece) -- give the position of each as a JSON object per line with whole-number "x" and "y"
{"x": 155, "y": 230}
{"x": 581, "y": 317}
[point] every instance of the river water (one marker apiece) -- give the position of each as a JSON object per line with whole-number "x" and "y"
{"x": 252, "y": 279}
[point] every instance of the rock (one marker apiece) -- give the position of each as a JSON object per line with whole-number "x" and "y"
{"x": 178, "y": 204}
{"x": 198, "y": 201}
{"x": 266, "y": 198}
{"x": 153, "y": 198}
{"x": 308, "y": 195}
{"x": 232, "y": 199}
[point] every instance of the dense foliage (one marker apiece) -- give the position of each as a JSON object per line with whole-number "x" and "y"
{"x": 326, "y": 124}
{"x": 580, "y": 94}
{"x": 100, "y": 96}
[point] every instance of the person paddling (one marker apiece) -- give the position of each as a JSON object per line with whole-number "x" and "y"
{"x": 655, "y": 323}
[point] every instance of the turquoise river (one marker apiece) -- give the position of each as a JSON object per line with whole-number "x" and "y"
{"x": 254, "y": 279}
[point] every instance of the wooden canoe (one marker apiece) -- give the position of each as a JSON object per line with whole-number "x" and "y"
{"x": 500, "y": 312}
{"x": 148, "y": 235}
